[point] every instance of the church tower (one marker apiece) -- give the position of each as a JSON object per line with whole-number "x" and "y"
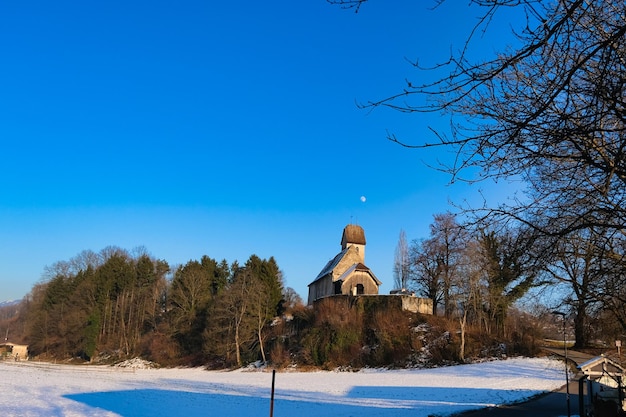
{"x": 354, "y": 235}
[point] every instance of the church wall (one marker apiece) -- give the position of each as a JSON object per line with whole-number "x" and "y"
{"x": 359, "y": 277}
{"x": 351, "y": 258}
{"x": 320, "y": 288}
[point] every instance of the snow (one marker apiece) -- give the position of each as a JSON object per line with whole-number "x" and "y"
{"x": 32, "y": 389}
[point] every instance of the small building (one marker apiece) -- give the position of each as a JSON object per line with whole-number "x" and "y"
{"x": 601, "y": 388}
{"x": 346, "y": 273}
{"x": 13, "y": 351}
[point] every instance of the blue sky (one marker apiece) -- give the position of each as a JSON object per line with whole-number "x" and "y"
{"x": 216, "y": 128}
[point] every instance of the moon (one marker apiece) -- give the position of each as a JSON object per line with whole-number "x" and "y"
{"x": 363, "y": 199}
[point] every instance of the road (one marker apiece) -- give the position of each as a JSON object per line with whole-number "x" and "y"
{"x": 553, "y": 404}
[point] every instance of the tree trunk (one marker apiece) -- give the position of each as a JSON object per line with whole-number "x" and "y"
{"x": 463, "y": 323}
{"x": 580, "y": 330}
{"x": 237, "y": 352}
{"x": 259, "y": 334}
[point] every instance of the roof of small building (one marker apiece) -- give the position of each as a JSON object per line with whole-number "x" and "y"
{"x": 359, "y": 267}
{"x": 353, "y": 233}
{"x": 601, "y": 365}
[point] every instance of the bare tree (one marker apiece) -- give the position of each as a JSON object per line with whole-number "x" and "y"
{"x": 436, "y": 261}
{"x": 401, "y": 263}
{"x": 262, "y": 310}
{"x": 551, "y": 112}
{"x": 470, "y": 294}
{"x": 84, "y": 260}
{"x": 577, "y": 267}
{"x": 613, "y": 286}
{"x": 291, "y": 299}
{"x": 189, "y": 298}
{"x": 451, "y": 239}
{"x": 426, "y": 271}
{"x": 236, "y": 307}
{"x": 348, "y": 4}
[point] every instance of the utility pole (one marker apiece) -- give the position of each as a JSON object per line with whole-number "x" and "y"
{"x": 272, "y": 395}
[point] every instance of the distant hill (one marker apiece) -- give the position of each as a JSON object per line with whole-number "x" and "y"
{"x": 9, "y": 303}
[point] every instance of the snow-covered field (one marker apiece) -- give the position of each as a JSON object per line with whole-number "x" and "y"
{"x": 45, "y": 390}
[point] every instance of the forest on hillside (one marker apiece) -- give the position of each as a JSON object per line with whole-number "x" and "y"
{"x": 115, "y": 304}
{"x": 478, "y": 275}
{"x": 112, "y": 305}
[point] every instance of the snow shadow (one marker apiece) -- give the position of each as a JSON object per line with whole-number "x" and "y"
{"x": 361, "y": 401}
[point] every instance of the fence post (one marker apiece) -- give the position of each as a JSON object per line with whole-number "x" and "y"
{"x": 272, "y": 397}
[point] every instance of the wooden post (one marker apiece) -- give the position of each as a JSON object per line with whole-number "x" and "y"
{"x": 272, "y": 397}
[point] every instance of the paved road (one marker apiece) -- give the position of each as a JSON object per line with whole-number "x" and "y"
{"x": 553, "y": 404}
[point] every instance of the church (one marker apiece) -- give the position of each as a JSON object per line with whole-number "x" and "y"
{"x": 346, "y": 273}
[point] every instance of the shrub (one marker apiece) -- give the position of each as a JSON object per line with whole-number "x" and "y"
{"x": 388, "y": 337}
{"x": 158, "y": 347}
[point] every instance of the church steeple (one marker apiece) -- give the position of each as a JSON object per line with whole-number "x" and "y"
{"x": 354, "y": 235}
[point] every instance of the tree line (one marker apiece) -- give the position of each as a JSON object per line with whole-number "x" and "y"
{"x": 125, "y": 305}
{"x": 116, "y": 304}
{"x": 476, "y": 275}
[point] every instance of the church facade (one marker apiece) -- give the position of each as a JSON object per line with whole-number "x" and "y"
{"x": 346, "y": 273}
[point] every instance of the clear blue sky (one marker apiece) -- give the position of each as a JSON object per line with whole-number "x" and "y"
{"x": 215, "y": 128}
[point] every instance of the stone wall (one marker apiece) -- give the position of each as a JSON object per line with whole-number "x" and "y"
{"x": 405, "y": 302}
{"x": 416, "y": 304}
